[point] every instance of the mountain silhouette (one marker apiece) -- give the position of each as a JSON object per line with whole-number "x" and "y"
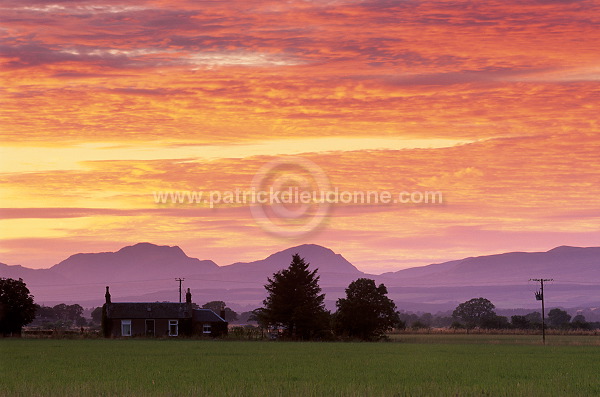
{"x": 331, "y": 267}
{"x": 147, "y": 272}
{"x": 572, "y": 264}
{"x": 141, "y": 261}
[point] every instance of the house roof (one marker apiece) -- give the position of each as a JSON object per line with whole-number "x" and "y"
{"x": 206, "y": 316}
{"x": 128, "y": 310}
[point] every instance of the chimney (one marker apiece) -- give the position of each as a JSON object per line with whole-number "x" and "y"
{"x": 223, "y": 312}
{"x": 107, "y": 295}
{"x": 188, "y": 296}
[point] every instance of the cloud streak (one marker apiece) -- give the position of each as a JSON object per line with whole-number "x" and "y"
{"x": 493, "y": 103}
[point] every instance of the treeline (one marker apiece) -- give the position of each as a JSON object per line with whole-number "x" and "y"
{"x": 63, "y": 316}
{"x": 556, "y": 319}
{"x": 294, "y": 309}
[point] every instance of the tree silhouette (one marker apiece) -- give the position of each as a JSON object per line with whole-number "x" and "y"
{"x": 535, "y": 318}
{"x": 68, "y": 313}
{"x": 558, "y": 318}
{"x": 520, "y": 322}
{"x": 97, "y": 315}
{"x": 295, "y": 301}
{"x": 580, "y": 323}
{"x": 475, "y": 312}
{"x": 366, "y": 312}
{"x": 217, "y": 306}
{"x": 16, "y": 306}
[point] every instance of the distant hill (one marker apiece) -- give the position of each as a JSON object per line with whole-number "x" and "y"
{"x": 32, "y": 276}
{"x": 147, "y": 272}
{"x": 572, "y": 264}
{"x": 332, "y": 267}
{"x": 143, "y": 261}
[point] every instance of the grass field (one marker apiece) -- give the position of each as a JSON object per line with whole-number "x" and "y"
{"x": 498, "y": 339}
{"x": 414, "y": 365}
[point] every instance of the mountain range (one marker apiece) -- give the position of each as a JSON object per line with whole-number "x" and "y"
{"x": 147, "y": 272}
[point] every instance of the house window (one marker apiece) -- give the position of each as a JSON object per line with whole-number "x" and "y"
{"x": 206, "y": 329}
{"x": 173, "y": 327}
{"x": 125, "y": 327}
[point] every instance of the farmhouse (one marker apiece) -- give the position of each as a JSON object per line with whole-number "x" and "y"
{"x": 126, "y": 319}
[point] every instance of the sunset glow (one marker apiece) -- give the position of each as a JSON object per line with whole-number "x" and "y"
{"x": 493, "y": 103}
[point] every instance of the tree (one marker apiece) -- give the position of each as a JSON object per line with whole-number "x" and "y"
{"x": 295, "y": 302}
{"x": 16, "y": 306}
{"x": 217, "y": 306}
{"x": 475, "y": 312}
{"x": 246, "y": 317}
{"x": 426, "y": 319}
{"x": 97, "y": 315}
{"x": 75, "y": 313}
{"x": 457, "y": 325}
{"x": 44, "y": 314}
{"x": 408, "y": 318}
{"x": 495, "y": 322}
{"x": 535, "y": 319}
{"x": 558, "y": 318}
{"x": 420, "y": 325}
{"x": 579, "y": 322}
{"x": 366, "y": 312}
{"x": 580, "y": 318}
{"x": 441, "y": 321}
{"x": 69, "y": 314}
{"x": 259, "y": 315}
{"x": 520, "y": 322}
{"x": 61, "y": 311}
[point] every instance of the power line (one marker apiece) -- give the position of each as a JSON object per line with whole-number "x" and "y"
{"x": 540, "y": 296}
{"x": 180, "y": 280}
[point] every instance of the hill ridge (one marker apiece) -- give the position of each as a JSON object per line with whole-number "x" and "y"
{"x": 145, "y": 269}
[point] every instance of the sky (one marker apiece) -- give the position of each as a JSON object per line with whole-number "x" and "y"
{"x": 106, "y": 102}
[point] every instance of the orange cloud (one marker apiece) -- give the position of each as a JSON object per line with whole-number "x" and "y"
{"x": 105, "y": 102}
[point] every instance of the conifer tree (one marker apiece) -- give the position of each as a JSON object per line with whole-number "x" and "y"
{"x": 295, "y": 301}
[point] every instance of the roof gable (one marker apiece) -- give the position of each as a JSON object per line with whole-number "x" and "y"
{"x": 206, "y": 316}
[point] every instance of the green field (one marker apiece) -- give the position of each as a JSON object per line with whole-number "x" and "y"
{"x": 415, "y": 365}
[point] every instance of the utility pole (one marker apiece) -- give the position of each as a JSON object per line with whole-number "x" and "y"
{"x": 180, "y": 280}
{"x": 540, "y": 296}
